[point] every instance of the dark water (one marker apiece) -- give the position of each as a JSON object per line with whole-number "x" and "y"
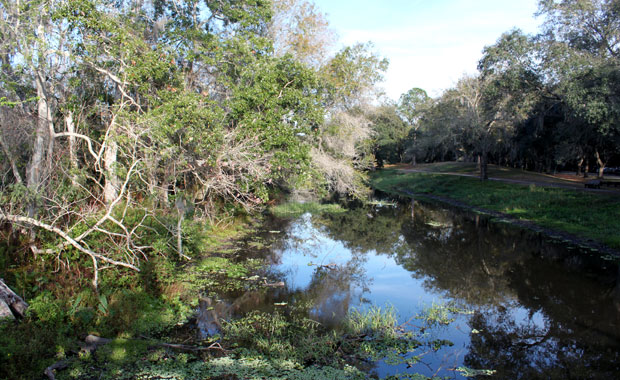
{"x": 537, "y": 309}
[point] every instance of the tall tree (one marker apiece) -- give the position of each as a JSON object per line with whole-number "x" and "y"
{"x": 300, "y": 29}
{"x": 352, "y": 76}
{"x": 390, "y": 133}
{"x": 411, "y": 106}
{"x": 583, "y": 45}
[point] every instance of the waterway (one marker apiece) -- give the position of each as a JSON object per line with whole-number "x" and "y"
{"x": 533, "y": 308}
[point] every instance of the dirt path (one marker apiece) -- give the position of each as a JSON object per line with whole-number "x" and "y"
{"x": 572, "y": 185}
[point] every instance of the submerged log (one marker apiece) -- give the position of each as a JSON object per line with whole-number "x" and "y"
{"x": 16, "y": 304}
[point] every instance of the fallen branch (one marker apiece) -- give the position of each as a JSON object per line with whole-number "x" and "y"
{"x": 62, "y": 234}
{"x": 93, "y": 255}
{"x": 16, "y": 304}
{"x": 183, "y": 347}
{"x": 49, "y": 371}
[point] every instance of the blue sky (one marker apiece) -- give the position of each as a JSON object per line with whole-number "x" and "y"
{"x": 430, "y": 43}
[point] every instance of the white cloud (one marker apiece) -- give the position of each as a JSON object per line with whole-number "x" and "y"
{"x": 431, "y": 44}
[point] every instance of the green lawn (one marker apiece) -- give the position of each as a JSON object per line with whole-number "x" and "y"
{"x": 587, "y": 215}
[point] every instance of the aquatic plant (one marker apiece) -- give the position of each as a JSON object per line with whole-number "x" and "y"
{"x": 293, "y": 209}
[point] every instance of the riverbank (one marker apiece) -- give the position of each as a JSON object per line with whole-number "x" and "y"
{"x": 153, "y": 324}
{"x": 588, "y": 219}
{"x": 137, "y": 311}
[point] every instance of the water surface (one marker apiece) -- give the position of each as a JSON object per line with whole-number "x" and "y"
{"x": 537, "y": 308}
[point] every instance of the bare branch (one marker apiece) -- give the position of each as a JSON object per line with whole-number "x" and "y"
{"x": 62, "y": 234}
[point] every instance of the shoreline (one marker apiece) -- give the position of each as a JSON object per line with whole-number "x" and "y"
{"x": 497, "y": 216}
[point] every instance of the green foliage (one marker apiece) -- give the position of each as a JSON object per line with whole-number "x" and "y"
{"x": 439, "y": 314}
{"x": 468, "y": 372}
{"x": 47, "y": 309}
{"x": 351, "y": 75}
{"x": 277, "y": 336}
{"x": 382, "y": 337}
{"x": 390, "y": 133}
{"x": 412, "y": 104}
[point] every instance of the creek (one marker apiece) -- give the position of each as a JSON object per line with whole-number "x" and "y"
{"x": 535, "y": 307}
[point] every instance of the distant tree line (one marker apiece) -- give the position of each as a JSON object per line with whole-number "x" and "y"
{"x": 539, "y": 102}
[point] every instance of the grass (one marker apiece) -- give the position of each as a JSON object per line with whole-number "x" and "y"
{"x": 587, "y": 215}
{"x": 494, "y": 171}
{"x": 297, "y": 209}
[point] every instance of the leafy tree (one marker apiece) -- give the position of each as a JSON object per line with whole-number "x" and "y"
{"x": 161, "y": 103}
{"x": 344, "y": 151}
{"x": 351, "y": 76}
{"x": 300, "y": 29}
{"x": 583, "y": 40}
{"x": 390, "y": 133}
{"x": 412, "y": 106}
{"x": 439, "y": 131}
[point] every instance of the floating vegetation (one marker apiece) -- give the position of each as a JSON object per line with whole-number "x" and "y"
{"x": 468, "y": 372}
{"x": 288, "y": 210}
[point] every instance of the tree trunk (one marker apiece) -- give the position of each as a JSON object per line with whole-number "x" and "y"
{"x": 483, "y": 166}
{"x": 587, "y": 169}
{"x": 37, "y": 165}
{"x": 601, "y": 165}
{"x": 579, "y": 166}
{"x": 70, "y": 124}
{"x": 111, "y": 186}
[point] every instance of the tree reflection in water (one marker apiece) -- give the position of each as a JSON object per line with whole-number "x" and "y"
{"x": 541, "y": 310}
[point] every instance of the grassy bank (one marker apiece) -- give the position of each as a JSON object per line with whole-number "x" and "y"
{"x": 130, "y": 308}
{"x": 586, "y": 215}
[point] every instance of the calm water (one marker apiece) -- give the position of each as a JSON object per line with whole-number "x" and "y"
{"x": 538, "y": 309}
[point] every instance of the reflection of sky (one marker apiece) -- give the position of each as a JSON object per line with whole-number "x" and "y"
{"x": 532, "y": 312}
{"x": 389, "y": 284}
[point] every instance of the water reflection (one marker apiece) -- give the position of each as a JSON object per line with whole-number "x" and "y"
{"x": 540, "y": 309}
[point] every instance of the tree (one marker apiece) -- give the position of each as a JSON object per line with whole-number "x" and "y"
{"x": 516, "y": 90}
{"x": 161, "y": 104}
{"x": 583, "y": 57}
{"x": 390, "y": 133}
{"x": 343, "y": 153}
{"x": 412, "y": 106}
{"x": 439, "y": 130}
{"x": 300, "y": 29}
{"x": 591, "y": 27}
{"x": 351, "y": 77}
{"x": 479, "y": 125}
{"x": 343, "y": 147}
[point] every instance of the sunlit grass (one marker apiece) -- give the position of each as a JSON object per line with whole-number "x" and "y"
{"x": 588, "y": 215}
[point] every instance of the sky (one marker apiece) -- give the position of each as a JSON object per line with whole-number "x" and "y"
{"x": 430, "y": 43}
